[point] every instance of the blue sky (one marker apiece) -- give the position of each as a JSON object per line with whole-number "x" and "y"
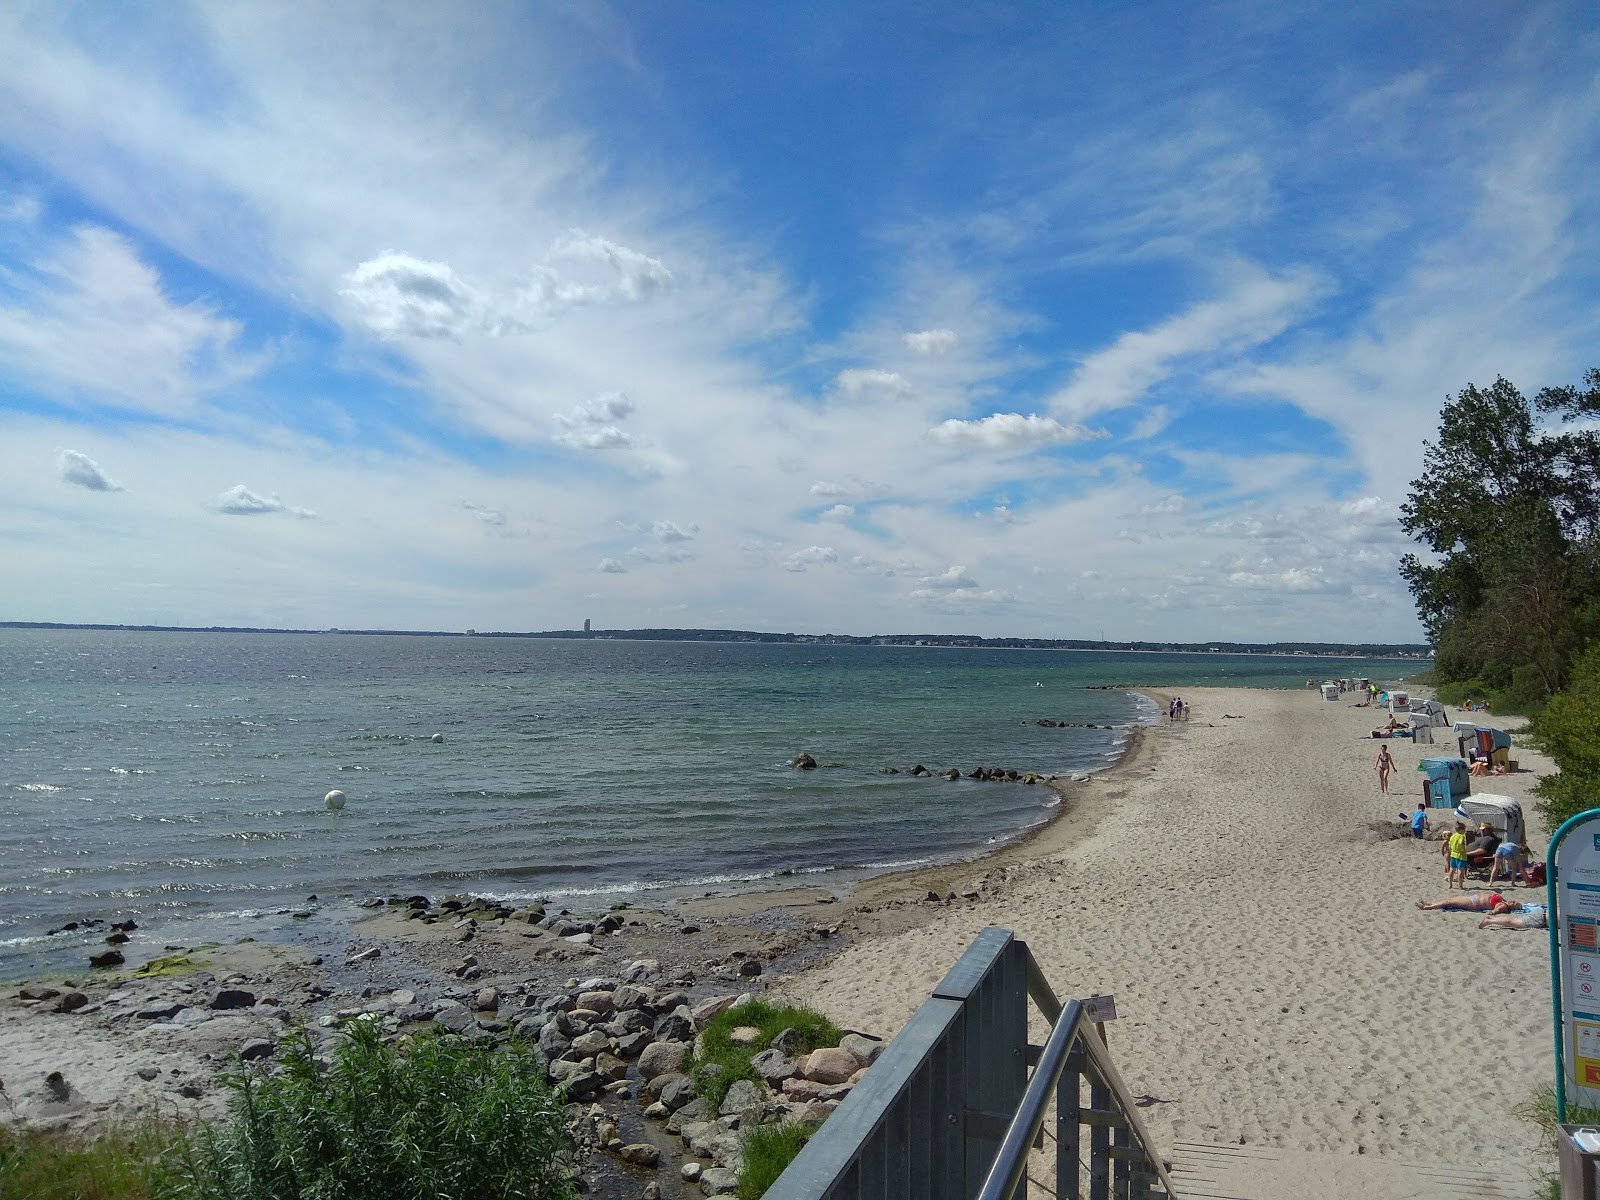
{"x": 1013, "y": 319}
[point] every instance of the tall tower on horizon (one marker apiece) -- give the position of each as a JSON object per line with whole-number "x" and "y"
{"x": 586, "y": 628}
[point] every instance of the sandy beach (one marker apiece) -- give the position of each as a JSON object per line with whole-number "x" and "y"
{"x": 1276, "y": 985}
{"x": 1234, "y": 882}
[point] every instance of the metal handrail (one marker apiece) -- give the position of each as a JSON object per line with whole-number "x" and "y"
{"x": 1011, "y": 1163}
{"x": 949, "y": 1111}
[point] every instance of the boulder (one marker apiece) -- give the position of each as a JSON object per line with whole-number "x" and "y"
{"x": 703, "y": 1012}
{"x": 643, "y": 968}
{"x": 742, "y": 1094}
{"x": 228, "y": 998}
{"x": 38, "y": 991}
{"x": 749, "y": 968}
{"x": 590, "y": 1043}
{"x": 599, "y": 1003}
{"x": 161, "y": 1010}
{"x": 456, "y": 1019}
{"x": 678, "y": 1092}
{"x": 803, "y": 762}
{"x": 718, "y": 1181}
{"x": 662, "y": 1058}
{"x": 257, "y": 1048}
{"x": 640, "y": 1154}
{"x": 675, "y": 1026}
{"x": 920, "y": 771}
{"x": 774, "y": 1066}
{"x": 866, "y": 1049}
{"x": 71, "y": 1002}
{"x": 107, "y": 958}
{"x": 631, "y": 1045}
{"x": 830, "y": 1064}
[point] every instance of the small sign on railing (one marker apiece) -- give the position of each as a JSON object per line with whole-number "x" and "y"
{"x": 1099, "y": 1008}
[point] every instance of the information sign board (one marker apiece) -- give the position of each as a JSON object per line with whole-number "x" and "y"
{"x": 1575, "y": 935}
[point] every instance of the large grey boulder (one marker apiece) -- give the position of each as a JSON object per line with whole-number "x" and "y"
{"x": 742, "y": 1094}
{"x": 662, "y": 1058}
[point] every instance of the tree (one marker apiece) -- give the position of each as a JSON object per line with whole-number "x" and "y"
{"x": 1511, "y": 511}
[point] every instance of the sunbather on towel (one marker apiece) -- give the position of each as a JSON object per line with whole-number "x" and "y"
{"x": 1521, "y": 916}
{"x": 1489, "y": 902}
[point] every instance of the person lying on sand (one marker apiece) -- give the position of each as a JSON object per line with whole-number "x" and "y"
{"x": 1490, "y": 902}
{"x": 1522, "y": 916}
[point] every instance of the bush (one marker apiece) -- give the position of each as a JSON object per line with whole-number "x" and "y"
{"x": 50, "y": 1165}
{"x": 767, "y": 1150}
{"x": 718, "y": 1062}
{"x": 441, "y": 1119}
{"x": 1568, "y": 730}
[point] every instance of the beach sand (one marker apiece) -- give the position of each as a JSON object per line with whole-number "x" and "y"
{"x": 1275, "y": 984}
{"x": 1233, "y": 883}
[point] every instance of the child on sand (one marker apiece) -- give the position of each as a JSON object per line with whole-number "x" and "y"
{"x": 1456, "y": 847}
{"x": 1419, "y": 820}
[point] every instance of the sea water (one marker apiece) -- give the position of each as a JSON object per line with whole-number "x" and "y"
{"x": 179, "y": 778}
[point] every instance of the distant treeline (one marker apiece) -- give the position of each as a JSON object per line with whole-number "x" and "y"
{"x": 1321, "y": 649}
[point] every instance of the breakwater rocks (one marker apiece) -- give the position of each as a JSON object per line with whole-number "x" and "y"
{"x": 804, "y": 762}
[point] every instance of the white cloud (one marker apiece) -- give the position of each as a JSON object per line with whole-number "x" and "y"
{"x": 85, "y": 472}
{"x": 667, "y": 532}
{"x": 610, "y": 566}
{"x": 932, "y": 343}
{"x": 636, "y": 276}
{"x": 955, "y": 577}
{"x": 593, "y": 426}
{"x": 492, "y": 517}
{"x": 856, "y": 488}
{"x": 1257, "y": 309}
{"x": 1010, "y": 431}
{"x": 240, "y": 501}
{"x": 857, "y": 382}
{"x": 95, "y": 326}
{"x": 398, "y": 295}
{"x": 401, "y": 296}
{"x": 839, "y": 512}
{"x": 809, "y": 557}
{"x": 21, "y": 210}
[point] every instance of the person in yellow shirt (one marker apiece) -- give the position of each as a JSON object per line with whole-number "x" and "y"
{"x": 1457, "y": 847}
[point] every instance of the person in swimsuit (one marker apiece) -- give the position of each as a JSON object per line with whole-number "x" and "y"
{"x": 1385, "y": 764}
{"x": 1519, "y": 916}
{"x": 1485, "y": 902}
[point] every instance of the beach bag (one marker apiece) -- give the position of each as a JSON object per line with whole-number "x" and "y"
{"x": 1533, "y": 875}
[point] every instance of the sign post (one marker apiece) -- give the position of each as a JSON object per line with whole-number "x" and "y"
{"x": 1572, "y": 893}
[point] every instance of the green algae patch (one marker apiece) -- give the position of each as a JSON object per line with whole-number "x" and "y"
{"x": 169, "y": 965}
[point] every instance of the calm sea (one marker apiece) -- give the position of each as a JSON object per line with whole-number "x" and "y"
{"x": 180, "y": 778}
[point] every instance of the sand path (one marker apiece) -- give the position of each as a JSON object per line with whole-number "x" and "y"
{"x": 1275, "y": 982}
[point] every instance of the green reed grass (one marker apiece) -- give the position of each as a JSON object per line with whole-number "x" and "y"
{"x": 767, "y": 1150}
{"x": 433, "y": 1119}
{"x": 718, "y": 1062}
{"x": 51, "y": 1165}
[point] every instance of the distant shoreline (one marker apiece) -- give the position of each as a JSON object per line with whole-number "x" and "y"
{"x": 930, "y": 641}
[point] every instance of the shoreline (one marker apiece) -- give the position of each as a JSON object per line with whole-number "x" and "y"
{"x": 286, "y": 921}
{"x": 1236, "y": 881}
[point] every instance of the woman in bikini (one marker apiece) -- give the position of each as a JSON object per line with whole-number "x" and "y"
{"x": 1385, "y": 764}
{"x": 1489, "y": 902}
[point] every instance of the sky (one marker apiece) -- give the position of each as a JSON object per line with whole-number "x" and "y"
{"x": 1095, "y": 320}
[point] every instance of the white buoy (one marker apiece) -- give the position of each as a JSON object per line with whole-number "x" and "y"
{"x": 438, "y": 737}
{"x": 335, "y": 799}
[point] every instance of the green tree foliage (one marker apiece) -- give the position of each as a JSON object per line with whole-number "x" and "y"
{"x": 437, "y": 1119}
{"x": 1568, "y": 730}
{"x": 1509, "y": 504}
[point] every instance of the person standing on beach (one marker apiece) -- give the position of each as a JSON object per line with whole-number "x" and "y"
{"x": 1385, "y": 764}
{"x": 1457, "y": 846}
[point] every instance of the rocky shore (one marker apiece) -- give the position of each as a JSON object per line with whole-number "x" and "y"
{"x": 613, "y": 999}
